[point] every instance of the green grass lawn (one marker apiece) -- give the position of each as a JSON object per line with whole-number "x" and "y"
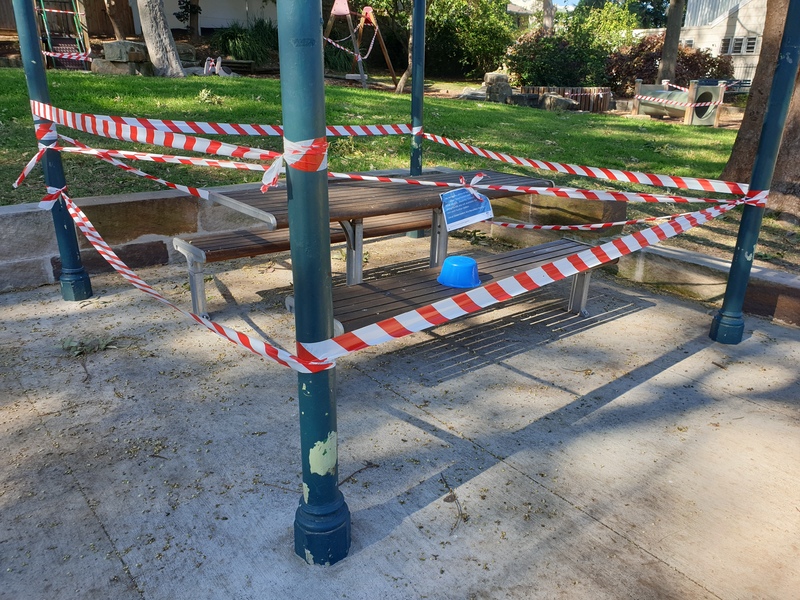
{"x": 587, "y": 139}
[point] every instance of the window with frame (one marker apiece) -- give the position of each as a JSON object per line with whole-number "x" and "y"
{"x": 738, "y": 45}
{"x": 688, "y": 43}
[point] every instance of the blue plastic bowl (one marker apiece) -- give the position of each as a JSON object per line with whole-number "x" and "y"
{"x": 459, "y": 272}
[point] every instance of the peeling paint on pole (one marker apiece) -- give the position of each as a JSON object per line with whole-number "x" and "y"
{"x": 322, "y": 458}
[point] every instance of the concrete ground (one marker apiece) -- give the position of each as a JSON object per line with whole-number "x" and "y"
{"x": 520, "y": 453}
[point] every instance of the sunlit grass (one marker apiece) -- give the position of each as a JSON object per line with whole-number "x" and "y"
{"x": 577, "y": 138}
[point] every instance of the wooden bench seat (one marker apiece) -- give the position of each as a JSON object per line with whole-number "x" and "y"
{"x": 200, "y": 249}
{"x": 367, "y": 303}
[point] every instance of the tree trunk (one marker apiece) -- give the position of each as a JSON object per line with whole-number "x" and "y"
{"x": 401, "y": 85}
{"x": 548, "y": 14}
{"x": 785, "y": 189}
{"x": 194, "y": 22}
{"x": 158, "y": 38}
{"x": 114, "y": 10}
{"x": 669, "y": 54}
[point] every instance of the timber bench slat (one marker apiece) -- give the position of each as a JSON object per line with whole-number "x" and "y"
{"x": 367, "y": 303}
{"x": 243, "y": 243}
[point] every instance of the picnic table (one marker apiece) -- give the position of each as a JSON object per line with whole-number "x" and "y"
{"x": 383, "y": 208}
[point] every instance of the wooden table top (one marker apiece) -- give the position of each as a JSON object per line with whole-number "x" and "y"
{"x": 349, "y": 199}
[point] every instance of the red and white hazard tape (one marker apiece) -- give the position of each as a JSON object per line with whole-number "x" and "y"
{"x": 358, "y": 56}
{"x": 163, "y": 158}
{"x": 676, "y": 103}
{"x": 678, "y": 87}
{"x": 256, "y": 346}
{"x": 558, "y": 192}
{"x": 55, "y": 10}
{"x": 576, "y": 94}
{"x": 585, "y": 227}
{"x": 671, "y": 181}
{"x": 194, "y": 191}
{"x": 318, "y": 356}
{"x": 118, "y": 131}
{"x": 243, "y": 129}
{"x": 69, "y": 55}
{"x": 47, "y": 137}
{"x": 305, "y": 155}
{"x": 502, "y": 290}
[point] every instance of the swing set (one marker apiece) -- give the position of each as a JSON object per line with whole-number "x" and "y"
{"x": 366, "y": 17}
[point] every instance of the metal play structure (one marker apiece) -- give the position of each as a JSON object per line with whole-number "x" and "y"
{"x": 366, "y": 17}
{"x": 322, "y": 521}
{"x": 64, "y": 36}
{"x": 696, "y": 105}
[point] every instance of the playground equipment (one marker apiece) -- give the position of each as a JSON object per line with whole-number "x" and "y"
{"x": 367, "y": 17}
{"x": 696, "y": 105}
{"x": 64, "y": 32}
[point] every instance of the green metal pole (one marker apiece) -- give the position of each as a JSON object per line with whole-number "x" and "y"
{"x": 417, "y": 82}
{"x": 322, "y": 521}
{"x": 75, "y": 283}
{"x": 727, "y": 326}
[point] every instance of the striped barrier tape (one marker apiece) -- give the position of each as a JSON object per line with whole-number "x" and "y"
{"x": 193, "y": 191}
{"x": 255, "y": 346}
{"x": 69, "y": 55}
{"x": 118, "y": 131}
{"x": 575, "y": 94}
{"x": 318, "y": 356}
{"x": 358, "y": 56}
{"x": 678, "y": 87}
{"x": 584, "y": 227}
{"x": 191, "y": 127}
{"x": 46, "y": 137}
{"x": 604, "y": 196}
{"x": 55, "y": 10}
{"x": 306, "y": 155}
{"x": 669, "y": 181}
{"x": 162, "y": 158}
{"x": 251, "y": 129}
{"x": 676, "y": 103}
{"x": 504, "y": 289}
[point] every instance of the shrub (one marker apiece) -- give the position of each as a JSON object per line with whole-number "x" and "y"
{"x": 466, "y": 37}
{"x": 555, "y": 60}
{"x": 257, "y": 41}
{"x": 641, "y": 60}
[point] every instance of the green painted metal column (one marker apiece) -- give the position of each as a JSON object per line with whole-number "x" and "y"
{"x": 727, "y": 326}
{"x": 75, "y": 282}
{"x": 322, "y": 521}
{"x": 417, "y": 82}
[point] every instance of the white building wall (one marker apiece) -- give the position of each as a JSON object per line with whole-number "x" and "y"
{"x": 730, "y": 20}
{"x": 216, "y": 14}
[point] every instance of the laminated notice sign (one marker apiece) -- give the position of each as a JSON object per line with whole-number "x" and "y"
{"x": 462, "y": 207}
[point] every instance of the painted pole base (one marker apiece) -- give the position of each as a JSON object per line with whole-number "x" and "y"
{"x": 727, "y": 329}
{"x": 322, "y": 533}
{"x": 75, "y": 286}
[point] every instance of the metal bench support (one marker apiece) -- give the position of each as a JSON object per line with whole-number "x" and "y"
{"x": 579, "y": 294}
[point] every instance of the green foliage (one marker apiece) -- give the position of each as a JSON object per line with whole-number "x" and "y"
{"x": 640, "y": 61}
{"x": 555, "y": 60}
{"x": 256, "y": 41}
{"x": 185, "y": 10}
{"x": 610, "y": 27}
{"x": 466, "y": 36}
{"x": 462, "y": 37}
{"x": 647, "y": 14}
{"x": 575, "y": 53}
